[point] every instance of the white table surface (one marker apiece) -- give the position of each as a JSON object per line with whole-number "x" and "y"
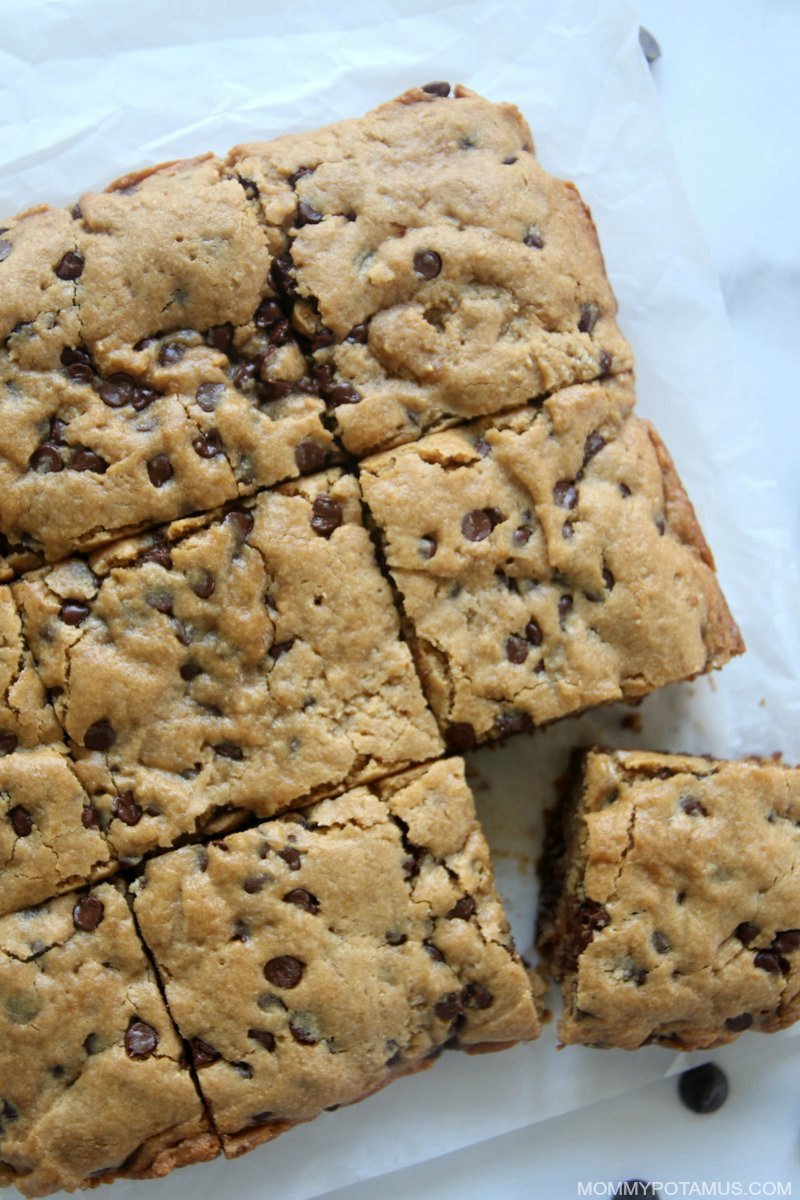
{"x": 729, "y": 82}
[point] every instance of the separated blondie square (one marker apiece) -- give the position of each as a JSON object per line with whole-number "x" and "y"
{"x": 228, "y": 665}
{"x": 351, "y": 942}
{"x": 92, "y": 1082}
{"x": 546, "y": 560}
{"x": 671, "y": 910}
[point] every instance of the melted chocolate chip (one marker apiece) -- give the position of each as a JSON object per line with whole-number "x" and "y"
{"x": 512, "y": 721}
{"x": 460, "y": 736}
{"x": 126, "y": 809}
{"x": 427, "y": 264}
{"x": 593, "y": 445}
{"x": 190, "y": 670}
{"x": 608, "y": 579}
{"x": 204, "y": 583}
{"x": 267, "y": 314}
{"x": 171, "y": 353}
{"x": 476, "y": 525}
{"x": 208, "y": 395}
{"x": 159, "y": 554}
{"x": 449, "y": 1007}
{"x": 310, "y": 456}
{"x": 565, "y": 494}
{"x": 746, "y": 932}
{"x": 240, "y": 520}
{"x": 21, "y": 821}
{"x": 89, "y": 817}
{"x": 73, "y": 612}
{"x": 87, "y": 460}
{"x": 117, "y": 390}
{"x": 521, "y": 535}
{"x": 8, "y": 742}
{"x": 303, "y": 1037}
{"x": 203, "y": 1054}
{"x": 306, "y": 215}
{"x": 88, "y": 913}
{"x": 786, "y": 941}
{"x": 588, "y": 318}
{"x": 342, "y": 393}
{"x": 207, "y": 445}
{"x": 299, "y": 174}
{"x": 229, "y": 750}
{"x": 475, "y": 995}
{"x": 322, "y": 339}
{"x": 326, "y": 515}
{"x": 46, "y": 460}
{"x": 437, "y": 88}
{"x": 291, "y": 857}
{"x": 284, "y": 971}
{"x": 99, "y": 736}
{"x": 516, "y": 649}
{"x": 253, "y": 884}
{"x": 140, "y": 1040}
{"x": 220, "y": 337}
{"x": 463, "y": 909}
{"x": 359, "y": 334}
{"x": 703, "y": 1089}
{"x": 303, "y": 899}
{"x": 740, "y": 1023}
{"x": 71, "y": 266}
{"x": 282, "y": 277}
{"x": 770, "y": 962}
{"x": 159, "y": 469}
{"x": 264, "y": 1038}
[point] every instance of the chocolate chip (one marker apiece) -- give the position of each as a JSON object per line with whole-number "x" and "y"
{"x": 46, "y": 460}
{"x": 427, "y": 264}
{"x": 534, "y": 239}
{"x": 437, "y": 88}
{"x": 21, "y": 821}
{"x": 267, "y": 314}
{"x": 604, "y": 363}
{"x": 5, "y": 249}
{"x": 87, "y": 460}
{"x": 326, "y": 515}
{"x": 590, "y": 918}
{"x": 203, "y": 584}
{"x": 88, "y": 913}
{"x": 80, "y": 373}
{"x": 125, "y": 807}
{"x": 117, "y": 390}
{"x": 160, "y": 554}
{"x": 244, "y": 1069}
{"x": 161, "y": 602}
{"x": 92, "y": 1043}
{"x": 73, "y": 612}
{"x": 71, "y": 266}
{"x": 284, "y": 971}
{"x": 692, "y": 807}
{"x": 512, "y": 721}
{"x": 786, "y": 941}
{"x": 449, "y": 1007}
{"x": 99, "y": 736}
{"x": 521, "y": 535}
{"x": 229, "y": 750}
{"x": 159, "y": 470}
{"x": 291, "y": 857}
{"x": 310, "y": 456}
{"x": 241, "y": 521}
{"x": 564, "y": 606}
{"x": 299, "y": 174}
{"x": 476, "y": 525}
{"x": 660, "y": 941}
{"x": 475, "y": 995}
{"x": 703, "y": 1089}
{"x": 281, "y": 274}
{"x": 393, "y": 938}
{"x": 649, "y": 45}
{"x": 624, "y": 491}
{"x": 263, "y": 1037}
{"x": 460, "y": 736}
{"x": 203, "y": 1054}
{"x": 190, "y": 670}
{"x": 304, "y": 900}
{"x": 588, "y": 318}
{"x": 171, "y": 353}
{"x": 208, "y": 395}
{"x": 427, "y": 546}
{"x": 304, "y": 1037}
{"x": 220, "y": 337}
{"x": 565, "y": 494}
{"x": 8, "y": 742}
{"x": 495, "y": 515}
{"x": 740, "y": 1023}
{"x": 608, "y": 579}
{"x": 593, "y": 445}
{"x": 463, "y": 909}
{"x": 142, "y": 397}
{"x": 140, "y": 1040}
{"x": 359, "y": 334}
{"x": 533, "y": 632}
{"x": 516, "y": 649}
{"x": 58, "y": 429}
{"x": 89, "y": 817}
{"x": 772, "y": 963}
{"x": 746, "y": 932}
{"x": 207, "y": 445}
{"x": 306, "y": 215}
{"x": 342, "y": 393}
{"x": 322, "y": 339}
{"x": 433, "y": 951}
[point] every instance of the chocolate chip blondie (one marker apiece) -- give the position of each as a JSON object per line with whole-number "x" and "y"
{"x": 546, "y": 560}
{"x": 228, "y": 665}
{"x": 204, "y": 328}
{"x": 671, "y": 910}
{"x": 351, "y": 943}
{"x": 438, "y": 272}
{"x": 92, "y": 1082}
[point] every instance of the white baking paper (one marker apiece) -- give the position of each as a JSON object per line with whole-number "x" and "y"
{"x": 90, "y": 90}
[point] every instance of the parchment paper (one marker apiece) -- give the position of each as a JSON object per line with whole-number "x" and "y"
{"x": 90, "y": 90}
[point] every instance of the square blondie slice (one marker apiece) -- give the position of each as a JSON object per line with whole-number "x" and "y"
{"x": 229, "y": 665}
{"x": 671, "y": 907}
{"x": 146, "y": 370}
{"x": 438, "y": 272}
{"x": 351, "y": 942}
{"x": 546, "y": 560}
{"x": 92, "y": 1082}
